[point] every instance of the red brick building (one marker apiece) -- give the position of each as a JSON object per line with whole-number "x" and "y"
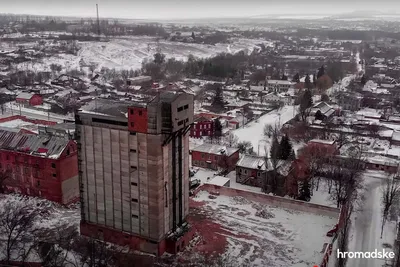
{"x": 28, "y": 99}
{"x": 202, "y": 127}
{"x": 215, "y": 157}
{"x": 40, "y": 165}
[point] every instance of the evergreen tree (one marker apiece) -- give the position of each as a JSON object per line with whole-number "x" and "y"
{"x": 275, "y": 151}
{"x": 315, "y": 80}
{"x": 292, "y": 155}
{"x": 296, "y": 78}
{"x": 307, "y": 82}
{"x": 285, "y": 148}
{"x": 305, "y": 193}
{"x": 305, "y": 103}
{"x": 363, "y": 80}
{"x": 217, "y": 128}
{"x": 193, "y": 36}
{"x": 321, "y": 71}
{"x": 218, "y": 101}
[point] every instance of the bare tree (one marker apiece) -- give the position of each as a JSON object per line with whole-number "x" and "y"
{"x": 4, "y": 177}
{"x": 390, "y": 194}
{"x": 232, "y": 140}
{"x": 244, "y": 146}
{"x": 17, "y": 226}
{"x": 56, "y": 248}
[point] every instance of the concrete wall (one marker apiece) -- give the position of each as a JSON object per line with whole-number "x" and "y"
{"x": 273, "y": 200}
{"x": 107, "y": 188}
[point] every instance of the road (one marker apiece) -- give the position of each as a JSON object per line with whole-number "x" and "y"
{"x": 367, "y": 225}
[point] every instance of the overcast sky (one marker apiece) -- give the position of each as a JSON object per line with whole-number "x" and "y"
{"x": 183, "y": 9}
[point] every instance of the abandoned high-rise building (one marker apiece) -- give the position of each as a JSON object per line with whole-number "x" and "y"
{"x": 134, "y": 171}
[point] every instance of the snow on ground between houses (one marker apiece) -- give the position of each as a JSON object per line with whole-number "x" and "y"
{"x": 259, "y": 235}
{"x": 254, "y": 131}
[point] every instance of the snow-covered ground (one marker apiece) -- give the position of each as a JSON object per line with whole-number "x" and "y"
{"x": 254, "y": 131}
{"x": 262, "y": 235}
{"x": 366, "y": 226}
{"x": 52, "y": 217}
{"x": 20, "y": 124}
{"x": 322, "y": 196}
{"x": 12, "y": 108}
{"x": 130, "y": 52}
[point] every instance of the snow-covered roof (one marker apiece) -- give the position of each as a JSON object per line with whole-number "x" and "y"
{"x": 252, "y": 162}
{"x": 325, "y": 142}
{"x": 280, "y": 82}
{"x": 396, "y": 136}
{"x": 219, "y": 180}
{"x": 215, "y": 149}
{"x": 25, "y": 96}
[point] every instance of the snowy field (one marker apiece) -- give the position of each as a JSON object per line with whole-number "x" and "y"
{"x": 259, "y": 235}
{"x": 254, "y": 131}
{"x": 129, "y": 53}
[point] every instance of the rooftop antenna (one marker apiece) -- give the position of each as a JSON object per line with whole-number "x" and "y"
{"x": 98, "y": 20}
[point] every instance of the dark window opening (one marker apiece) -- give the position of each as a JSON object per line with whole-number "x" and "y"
{"x": 133, "y": 150}
{"x": 187, "y": 120}
{"x": 135, "y": 216}
{"x": 132, "y": 133}
{"x": 133, "y": 168}
{"x": 133, "y": 183}
{"x": 180, "y": 122}
{"x": 140, "y": 113}
{"x": 54, "y": 175}
{"x": 38, "y": 183}
{"x": 119, "y": 123}
{"x": 186, "y": 107}
{"x": 53, "y": 165}
{"x": 68, "y": 152}
{"x": 135, "y": 200}
{"x": 131, "y": 111}
{"x": 180, "y": 109}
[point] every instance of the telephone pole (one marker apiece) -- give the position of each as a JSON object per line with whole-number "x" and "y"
{"x": 98, "y": 20}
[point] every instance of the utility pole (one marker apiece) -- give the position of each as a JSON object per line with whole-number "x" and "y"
{"x": 98, "y": 20}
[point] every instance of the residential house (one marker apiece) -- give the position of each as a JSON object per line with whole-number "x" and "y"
{"x": 202, "y": 127}
{"x": 237, "y": 122}
{"x": 279, "y": 85}
{"x": 250, "y": 170}
{"x": 350, "y": 101}
{"x": 28, "y": 99}
{"x": 395, "y": 138}
{"x": 322, "y": 111}
{"x": 215, "y": 157}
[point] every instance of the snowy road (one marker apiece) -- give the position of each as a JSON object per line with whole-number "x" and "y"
{"x": 254, "y": 131}
{"x": 367, "y": 225}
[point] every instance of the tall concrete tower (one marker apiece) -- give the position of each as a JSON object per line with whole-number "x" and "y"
{"x": 134, "y": 172}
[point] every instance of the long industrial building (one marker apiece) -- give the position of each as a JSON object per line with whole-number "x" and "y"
{"x": 133, "y": 163}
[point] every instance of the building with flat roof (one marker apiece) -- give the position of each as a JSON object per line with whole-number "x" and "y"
{"x": 134, "y": 172}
